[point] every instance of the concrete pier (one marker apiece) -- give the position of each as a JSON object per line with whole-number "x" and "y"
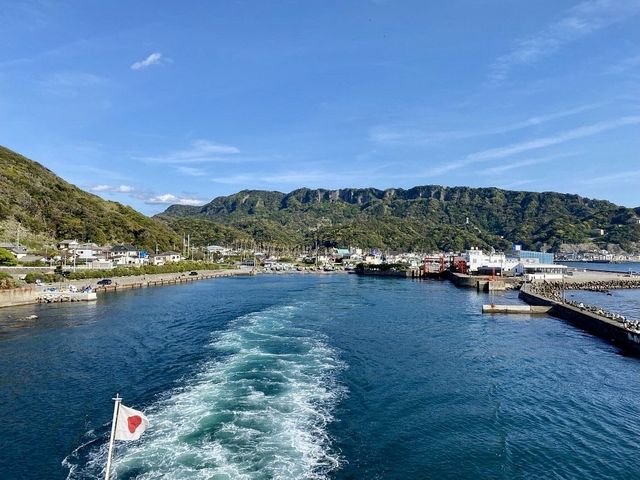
{"x": 527, "y": 309}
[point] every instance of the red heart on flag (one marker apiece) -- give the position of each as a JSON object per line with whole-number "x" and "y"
{"x": 134, "y": 422}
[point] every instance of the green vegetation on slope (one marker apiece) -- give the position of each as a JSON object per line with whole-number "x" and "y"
{"x": 421, "y": 218}
{"x": 43, "y": 203}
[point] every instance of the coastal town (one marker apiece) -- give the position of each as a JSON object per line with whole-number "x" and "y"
{"x": 72, "y": 255}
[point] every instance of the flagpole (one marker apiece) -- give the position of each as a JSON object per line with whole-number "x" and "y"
{"x": 116, "y": 407}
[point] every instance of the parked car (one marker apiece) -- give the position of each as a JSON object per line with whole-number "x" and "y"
{"x": 193, "y": 273}
{"x": 105, "y": 281}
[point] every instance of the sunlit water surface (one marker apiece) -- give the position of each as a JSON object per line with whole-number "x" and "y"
{"x": 313, "y": 376}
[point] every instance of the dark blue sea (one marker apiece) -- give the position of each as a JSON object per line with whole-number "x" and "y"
{"x": 623, "y": 267}
{"x": 313, "y": 377}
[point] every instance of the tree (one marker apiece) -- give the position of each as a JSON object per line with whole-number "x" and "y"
{"x": 6, "y": 258}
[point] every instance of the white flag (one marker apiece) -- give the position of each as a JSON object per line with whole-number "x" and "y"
{"x": 130, "y": 424}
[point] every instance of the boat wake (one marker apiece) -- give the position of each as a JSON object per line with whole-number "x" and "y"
{"x": 260, "y": 409}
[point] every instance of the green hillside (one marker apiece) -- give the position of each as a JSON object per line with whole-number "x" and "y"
{"x": 48, "y": 208}
{"x": 421, "y": 218}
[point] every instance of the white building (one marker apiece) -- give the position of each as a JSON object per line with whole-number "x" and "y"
{"x": 540, "y": 271}
{"x": 87, "y": 252}
{"x": 126, "y": 255}
{"x": 67, "y": 244}
{"x": 224, "y": 251}
{"x": 165, "y": 257}
{"x": 477, "y": 259}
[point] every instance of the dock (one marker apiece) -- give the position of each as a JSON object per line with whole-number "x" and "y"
{"x": 526, "y": 309}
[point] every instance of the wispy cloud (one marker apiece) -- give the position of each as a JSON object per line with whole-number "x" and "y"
{"x": 191, "y": 171}
{"x": 517, "y": 183}
{"x": 517, "y": 165}
{"x": 112, "y": 189}
{"x": 70, "y": 84}
{"x": 416, "y": 136}
{"x": 170, "y": 199}
{"x": 535, "y": 144}
{"x": 285, "y": 178}
{"x": 626, "y": 176}
{"x": 581, "y": 20}
{"x": 580, "y": 132}
{"x": 624, "y": 65}
{"x": 200, "y": 151}
{"x": 155, "y": 58}
{"x": 311, "y": 178}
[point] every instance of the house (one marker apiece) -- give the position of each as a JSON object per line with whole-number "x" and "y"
{"x": 211, "y": 249}
{"x": 18, "y": 250}
{"x": 165, "y": 257}
{"x": 87, "y": 251}
{"x": 341, "y": 253}
{"x": 33, "y": 259}
{"x": 67, "y": 245}
{"x": 125, "y": 255}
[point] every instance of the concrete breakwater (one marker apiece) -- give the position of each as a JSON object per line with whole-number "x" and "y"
{"x": 123, "y": 283}
{"x": 599, "y": 285}
{"x": 31, "y": 294}
{"x": 57, "y": 297}
{"x": 598, "y": 322}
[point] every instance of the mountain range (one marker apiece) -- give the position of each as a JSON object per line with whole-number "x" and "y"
{"x": 432, "y": 217}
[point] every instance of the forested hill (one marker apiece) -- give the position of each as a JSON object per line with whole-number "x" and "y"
{"x": 421, "y": 218}
{"x": 425, "y": 217}
{"x": 49, "y": 208}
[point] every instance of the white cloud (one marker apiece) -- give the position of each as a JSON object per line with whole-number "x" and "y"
{"x": 523, "y": 163}
{"x": 516, "y": 148}
{"x": 537, "y": 143}
{"x": 200, "y": 151}
{"x": 71, "y": 84}
{"x": 581, "y": 20}
{"x": 416, "y": 136}
{"x": 170, "y": 199}
{"x": 624, "y": 65}
{"x": 626, "y": 176}
{"x": 191, "y": 171}
{"x": 112, "y": 189}
{"x": 155, "y": 58}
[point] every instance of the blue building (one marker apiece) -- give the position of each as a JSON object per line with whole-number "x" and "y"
{"x": 544, "y": 258}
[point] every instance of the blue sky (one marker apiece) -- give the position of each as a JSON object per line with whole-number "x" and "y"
{"x": 153, "y": 103}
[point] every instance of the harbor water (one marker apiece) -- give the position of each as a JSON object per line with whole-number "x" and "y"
{"x": 617, "y": 267}
{"x": 313, "y": 377}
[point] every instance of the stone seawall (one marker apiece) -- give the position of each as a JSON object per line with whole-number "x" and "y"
{"x": 610, "y": 330}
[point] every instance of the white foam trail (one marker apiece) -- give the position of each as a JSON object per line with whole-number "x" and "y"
{"x": 260, "y": 410}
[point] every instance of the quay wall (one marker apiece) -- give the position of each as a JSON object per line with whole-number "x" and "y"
{"x": 600, "y": 326}
{"x": 31, "y": 294}
{"x": 18, "y": 296}
{"x": 156, "y": 282}
{"x": 384, "y": 273}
